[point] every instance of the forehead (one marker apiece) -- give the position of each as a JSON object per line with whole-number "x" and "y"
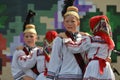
{"x": 70, "y": 17}
{"x": 28, "y": 33}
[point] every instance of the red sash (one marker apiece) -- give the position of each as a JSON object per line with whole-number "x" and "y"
{"x": 102, "y": 64}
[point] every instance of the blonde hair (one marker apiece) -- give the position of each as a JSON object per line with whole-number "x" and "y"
{"x": 30, "y": 28}
{"x": 72, "y": 10}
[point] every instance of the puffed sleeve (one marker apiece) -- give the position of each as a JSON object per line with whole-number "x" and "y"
{"x": 80, "y": 46}
{"x": 27, "y": 61}
{"x": 56, "y": 58}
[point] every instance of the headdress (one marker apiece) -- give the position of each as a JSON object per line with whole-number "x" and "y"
{"x": 67, "y": 3}
{"x": 100, "y": 26}
{"x": 49, "y": 37}
{"x": 30, "y": 28}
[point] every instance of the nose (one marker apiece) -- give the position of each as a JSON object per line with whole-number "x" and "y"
{"x": 29, "y": 37}
{"x": 69, "y": 23}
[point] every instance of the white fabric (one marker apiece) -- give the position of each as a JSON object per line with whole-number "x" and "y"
{"x": 23, "y": 63}
{"x": 41, "y": 77}
{"x": 62, "y": 61}
{"x": 40, "y": 63}
{"x": 94, "y": 48}
{"x": 94, "y": 66}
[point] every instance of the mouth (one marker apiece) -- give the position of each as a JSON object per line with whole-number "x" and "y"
{"x": 69, "y": 27}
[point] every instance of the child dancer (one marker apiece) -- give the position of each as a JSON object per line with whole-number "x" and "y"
{"x": 63, "y": 64}
{"x": 48, "y": 40}
{"x": 98, "y": 46}
{"x": 24, "y": 63}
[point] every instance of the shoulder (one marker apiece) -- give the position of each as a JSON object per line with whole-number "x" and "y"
{"x": 62, "y": 35}
{"x": 19, "y": 48}
{"x": 39, "y": 51}
{"x": 39, "y": 47}
{"x": 18, "y": 51}
{"x": 97, "y": 39}
{"x": 84, "y": 33}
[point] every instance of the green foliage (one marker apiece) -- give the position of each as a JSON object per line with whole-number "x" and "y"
{"x": 84, "y": 25}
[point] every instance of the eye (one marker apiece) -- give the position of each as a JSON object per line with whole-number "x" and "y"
{"x": 73, "y": 21}
{"x": 26, "y": 36}
{"x": 66, "y": 21}
{"x": 31, "y": 36}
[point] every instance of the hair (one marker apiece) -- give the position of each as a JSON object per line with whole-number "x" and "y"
{"x": 72, "y": 10}
{"x": 30, "y": 28}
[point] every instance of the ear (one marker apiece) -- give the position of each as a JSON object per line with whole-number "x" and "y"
{"x": 78, "y": 22}
{"x": 37, "y": 38}
{"x": 63, "y": 24}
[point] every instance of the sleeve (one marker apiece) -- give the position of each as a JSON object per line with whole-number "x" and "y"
{"x": 40, "y": 61}
{"x": 17, "y": 72}
{"x": 27, "y": 61}
{"x": 80, "y": 46}
{"x": 55, "y": 60}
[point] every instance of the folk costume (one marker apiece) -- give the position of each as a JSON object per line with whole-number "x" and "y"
{"x": 98, "y": 49}
{"x": 63, "y": 64}
{"x": 24, "y": 62}
{"x": 49, "y": 37}
{"x": 26, "y": 59}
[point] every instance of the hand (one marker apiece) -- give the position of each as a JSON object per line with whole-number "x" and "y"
{"x": 67, "y": 40}
{"x": 19, "y": 48}
{"x": 27, "y": 78}
{"x": 108, "y": 59}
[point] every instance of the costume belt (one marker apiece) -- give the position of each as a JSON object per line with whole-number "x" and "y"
{"x": 102, "y": 64}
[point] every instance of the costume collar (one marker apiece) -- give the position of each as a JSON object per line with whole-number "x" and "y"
{"x": 71, "y": 35}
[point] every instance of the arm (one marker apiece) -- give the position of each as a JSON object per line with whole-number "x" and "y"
{"x": 27, "y": 78}
{"x": 41, "y": 61}
{"x": 79, "y": 46}
{"x": 56, "y": 58}
{"x": 16, "y": 71}
{"x": 27, "y": 61}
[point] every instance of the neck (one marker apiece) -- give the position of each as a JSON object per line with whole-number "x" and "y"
{"x": 30, "y": 46}
{"x": 71, "y": 35}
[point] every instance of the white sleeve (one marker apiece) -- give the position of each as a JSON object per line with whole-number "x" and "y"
{"x": 41, "y": 63}
{"x": 81, "y": 46}
{"x": 17, "y": 72}
{"x": 27, "y": 61}
{"x": 55, "y": 60}
{"x": 49, "y": 79}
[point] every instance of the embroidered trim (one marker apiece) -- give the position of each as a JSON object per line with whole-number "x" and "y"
{"x": 39, "y": 53}
{"x": 19, "y": 75}
{"x": 93, "y": 78}
{"x": 51, "y": 75}
{"x": 98, "y": 40}
{"x": 65, "y": 76}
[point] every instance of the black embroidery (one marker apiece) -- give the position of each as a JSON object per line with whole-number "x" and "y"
{"x": 97, "y": 40}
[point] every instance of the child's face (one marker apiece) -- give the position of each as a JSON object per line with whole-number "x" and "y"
{"x": 71, "y": 23}
{"x": 30, "y": 39}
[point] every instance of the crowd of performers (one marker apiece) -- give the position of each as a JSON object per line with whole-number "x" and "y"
{"x": 69, "y": 55}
